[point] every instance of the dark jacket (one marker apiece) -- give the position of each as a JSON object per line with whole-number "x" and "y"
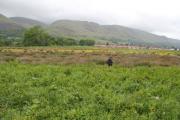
{"x": 109, "y": 62}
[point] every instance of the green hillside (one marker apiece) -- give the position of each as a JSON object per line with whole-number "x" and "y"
{"x": 8, "y": 27}
{"x": 27, "y": 22}
{"x": 111, "y": 33}
{"x": 116, "y": 34}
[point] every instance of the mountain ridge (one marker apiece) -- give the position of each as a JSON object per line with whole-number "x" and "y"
{"x": 27, "y": 22}
{"x": 116, "y": 34}
{"x": 111, "y": 33}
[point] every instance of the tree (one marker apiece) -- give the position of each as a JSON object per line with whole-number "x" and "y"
{"x": 6, "y": 42}
{"x": 36, "y": 36}
{"x": 86, "y": 42}
{"x": 60, "y": 41}
{"x": 69, "y": 42}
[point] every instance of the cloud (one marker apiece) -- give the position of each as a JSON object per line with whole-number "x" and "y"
{"x": 155, "y": 16}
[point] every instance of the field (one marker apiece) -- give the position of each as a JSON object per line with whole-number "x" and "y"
{"x": 83, "y": 55}
{"x": 75, "y": 84}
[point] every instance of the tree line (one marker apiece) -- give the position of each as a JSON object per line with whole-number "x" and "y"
{"x": 37, "y": 36}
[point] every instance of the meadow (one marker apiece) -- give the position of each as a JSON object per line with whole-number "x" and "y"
{"x": 39, "y": 89}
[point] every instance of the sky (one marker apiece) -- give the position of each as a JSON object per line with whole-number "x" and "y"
{"x": 160, "y": 17}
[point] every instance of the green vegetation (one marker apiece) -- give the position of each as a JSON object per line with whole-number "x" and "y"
{"x": 10, "y": 41}
{"x": 36, "y": 36}
{"x": 86, "y": 42}
{"x": 88, "y": 92}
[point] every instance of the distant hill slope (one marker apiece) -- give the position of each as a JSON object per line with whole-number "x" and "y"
{"x": 8, "y": 27}
{"x": 112, "y": 33}
{"x": 82, "y": 29}
{"x": 27, "y": 22}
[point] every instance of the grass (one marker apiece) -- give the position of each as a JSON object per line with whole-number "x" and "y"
{"x": 90, "y": 49}
{"x": 88, "y": 92}
{"x": 73, "y": 83}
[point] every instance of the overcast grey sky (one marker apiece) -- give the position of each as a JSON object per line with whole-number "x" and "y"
{"x": 156, "y": 16}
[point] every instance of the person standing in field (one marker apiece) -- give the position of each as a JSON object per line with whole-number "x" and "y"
{"x": 109, "y": 61}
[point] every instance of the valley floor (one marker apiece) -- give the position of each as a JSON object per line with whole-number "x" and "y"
{"x": 73, "y": 83}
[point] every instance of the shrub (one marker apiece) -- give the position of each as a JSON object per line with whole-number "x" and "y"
{"x": 86, "y": 42}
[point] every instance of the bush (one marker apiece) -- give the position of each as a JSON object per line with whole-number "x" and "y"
{"x": 86, "y": 42}
{"x": 70, "y": 41}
